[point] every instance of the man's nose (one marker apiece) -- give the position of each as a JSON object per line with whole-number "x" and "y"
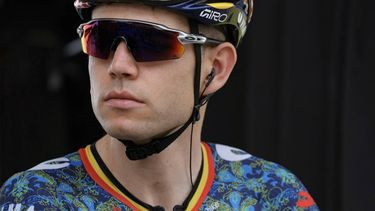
{"x": 123, "y": 63}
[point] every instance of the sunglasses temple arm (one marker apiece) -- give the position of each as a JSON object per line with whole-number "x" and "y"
{"x": 213, "y": 41}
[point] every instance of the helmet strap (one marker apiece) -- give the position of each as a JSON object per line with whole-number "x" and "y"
{"x": 197, "y": 75}
{"x": 141, "y": 151}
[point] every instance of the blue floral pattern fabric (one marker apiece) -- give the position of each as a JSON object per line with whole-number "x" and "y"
{"x": 241, "y": 182}
{"x": 55, "y": 186}
{"x": 245, "y": 182}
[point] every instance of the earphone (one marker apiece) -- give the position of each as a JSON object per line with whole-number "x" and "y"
{"x": 210, "y": 77}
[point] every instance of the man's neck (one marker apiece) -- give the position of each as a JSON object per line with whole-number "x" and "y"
{"x": 162, "y": 179}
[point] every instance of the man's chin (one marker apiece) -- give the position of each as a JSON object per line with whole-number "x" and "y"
{"x": 129, "y": 136}
{"x": 138, "y": 135}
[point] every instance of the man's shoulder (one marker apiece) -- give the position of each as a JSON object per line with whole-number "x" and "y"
{"x": 42, "y": 184}
{"x": 225, "y": 155}
{"x": 244, "y": 165}
{"x": 264, "y": 182}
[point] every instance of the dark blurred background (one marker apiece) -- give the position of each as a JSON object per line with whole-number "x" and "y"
{"x": 302, "y": 93}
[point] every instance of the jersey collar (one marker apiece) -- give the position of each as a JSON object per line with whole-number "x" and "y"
{"x": 100, "y": 173}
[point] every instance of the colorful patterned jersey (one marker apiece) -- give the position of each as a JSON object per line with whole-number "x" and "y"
{"x": 229, "y": 179}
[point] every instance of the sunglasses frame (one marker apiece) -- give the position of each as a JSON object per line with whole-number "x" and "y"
{"x": 183, "y": 37}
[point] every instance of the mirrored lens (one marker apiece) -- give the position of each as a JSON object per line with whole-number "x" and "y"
{"x": 152, "y": 44}
{"x": 145, "y": 42}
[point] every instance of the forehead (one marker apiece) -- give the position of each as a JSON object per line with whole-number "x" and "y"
{"x": 141, "y": 12}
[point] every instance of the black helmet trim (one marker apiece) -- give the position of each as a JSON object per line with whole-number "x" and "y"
{"x": 233, "y": 14}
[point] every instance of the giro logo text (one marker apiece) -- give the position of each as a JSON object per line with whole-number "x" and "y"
{"x": 213, "y": 15}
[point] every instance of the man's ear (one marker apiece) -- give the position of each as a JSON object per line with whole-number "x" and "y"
{"x": 222, "y": 59}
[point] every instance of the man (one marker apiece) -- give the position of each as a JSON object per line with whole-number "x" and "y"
{"x": 153, "y": 65}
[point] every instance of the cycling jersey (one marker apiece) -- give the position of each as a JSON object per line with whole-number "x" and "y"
{"x": 229, "y": 179}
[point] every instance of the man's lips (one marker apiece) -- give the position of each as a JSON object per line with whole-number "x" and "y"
{"x": 122, "y": 100}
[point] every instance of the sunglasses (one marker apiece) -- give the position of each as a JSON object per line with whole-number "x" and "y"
{"x": 146, "y": 41}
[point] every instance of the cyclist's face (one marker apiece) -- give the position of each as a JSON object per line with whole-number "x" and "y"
{"x": 141, "y": 100}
